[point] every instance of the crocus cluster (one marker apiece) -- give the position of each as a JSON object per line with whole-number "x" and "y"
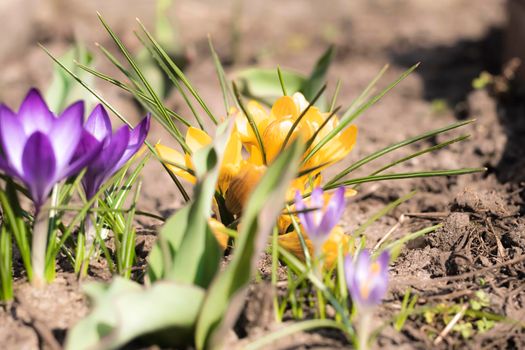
{"x": 247, "y": 156}
{"x": 40, "y": 149}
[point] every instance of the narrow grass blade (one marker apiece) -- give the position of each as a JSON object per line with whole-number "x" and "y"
{"x": 178, "y": 72}
{"x": 396, "y": 146}
{"x": 138, "y": 72}
{"x": 363, "y": 95}
{"x": 153, "y": 51}
{"x": 409, "y": 175}
{"x": 345, "y": 121}
{"x": 227, "y": 94}
{"x": 300, "y": 117}
{"x": 303, "y": 326}
{"x": 131, "y": 90}
{"x": 281, "y": 81}
{"x": 419, "y": 153}
{"x": 336, "y": 94}
{"x": 388, "y": 208}
{"x": 251, "y": 121}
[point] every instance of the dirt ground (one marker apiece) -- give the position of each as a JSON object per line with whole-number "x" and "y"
{"x": 481, "y": 246}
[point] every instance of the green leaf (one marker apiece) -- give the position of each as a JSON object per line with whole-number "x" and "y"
{"x": 124, "y": 310}
{"x": 6, "y": 265}
{"x": 190, "y": 253}
{"x": 225, "y": 297}
{"x": 317, "y": 78}
{"x": 63, "y": 89}
{"x": 264, "y": 85}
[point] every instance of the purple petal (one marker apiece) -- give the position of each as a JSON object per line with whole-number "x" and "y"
{"x": 13, "y": 138}
{"x": 304, "y": 217}
{"x": 362, "y": 266}
{"x": 66, "y": 133}
{"x": 351, "y": 282}
{"x": 136, "y": 139}
{"x": 39, "y": 167}
{"x": 378, "y": 289}
{"x": 367, "y": 280}
{"x": 98, "y": 123}
{"x": 103, "y": 166}
{"x": 317, "y": 198}
{"x": 384, "y": 260}
{"x": 334, "y": 211}
{"x": 34, "y": 113}
{"x": 87, "y": 149}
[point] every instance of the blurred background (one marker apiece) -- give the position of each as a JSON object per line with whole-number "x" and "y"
{"x": 456, "y": 41}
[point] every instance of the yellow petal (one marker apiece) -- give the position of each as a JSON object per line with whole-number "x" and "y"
{"x": 226, "y": 174}
{"x": 300, "y": 101}
{"x": 232, "y": 154}
{"x": 172, "y": 156}
{"x": 260, "y": 117}
{"x": 331, "y": 246}
{"x": 284, "y": 107}
{"x": 335, "y": 149}
{"x": 292, "y": 243}
{"x": 242, "y": 185}
{"x": 255, "y": 155}
{"x": 217, "y": 229}
{"x": 274, "y": 136}
{"x": 197, "y": 139}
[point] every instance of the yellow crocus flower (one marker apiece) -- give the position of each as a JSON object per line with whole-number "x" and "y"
{"x": 197, "y": 139}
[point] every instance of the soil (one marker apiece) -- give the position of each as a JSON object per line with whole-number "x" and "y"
{"x": 481, "y": 245}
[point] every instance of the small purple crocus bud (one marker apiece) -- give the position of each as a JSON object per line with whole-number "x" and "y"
{"x": 38, "y": 147}
{"x": 117, "y": 149}
{"x": 319, "y": 218}
{"x": 367, "y": 280}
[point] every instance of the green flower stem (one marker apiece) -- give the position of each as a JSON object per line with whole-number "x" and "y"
{"x": 90, "y": 230}
{"x": 318, "y": 270}
{"x": 39, "y": 246}
{"x": 363, "y": 329}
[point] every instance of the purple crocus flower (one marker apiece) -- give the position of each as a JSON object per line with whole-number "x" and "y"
{"x": 367, "y": 280}
{"x": 117, "y": 149}
{"x": 322, "y": 217}
{"x": 38, "y": 147}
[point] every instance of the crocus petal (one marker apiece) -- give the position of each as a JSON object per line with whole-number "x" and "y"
{"x": 87, "y": 149}
{"x": 350, "y": 269}
{"x": 274, "y": 136}
{"x": 39, "y": 166}
{"x": 103, "y": 166}
{"x": 137, "y": 137}
{"x": 306, "y": 218}
{"x": 334, "y": 211}
{"x": 34, "y": 113}
{"x": 170, "y": 155}
{"x": 13, "y": 138}
{"x": 362, "y": 264}
{"x": 317, "y": 202}
{"x": 66, "y": 132}
{"x": 98, "y": 123}
{"x": 197, "y": 139}
{"x": 233, "y": 152}
{"x": 284, "y": 107}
